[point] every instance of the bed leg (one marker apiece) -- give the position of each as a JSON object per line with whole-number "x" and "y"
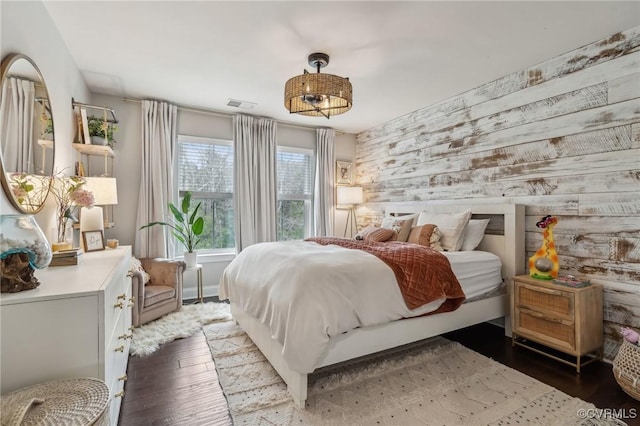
{"x": 507, "y": 326}
{"x": 298, "y": 403}
{"x": 297, "y": 388}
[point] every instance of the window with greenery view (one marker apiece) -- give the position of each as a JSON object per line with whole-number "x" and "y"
{"x": 295, "y": 190}
{"x": 205, "y": 167}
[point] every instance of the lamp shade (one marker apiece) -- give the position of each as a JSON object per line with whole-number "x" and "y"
{"x": 318, "y": 95}
{"x": 104, "y": 190}
{"x": 349, "y": 195}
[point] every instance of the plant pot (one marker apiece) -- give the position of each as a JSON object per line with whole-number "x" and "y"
{"x": 191, "y": 259}
{"x": 59, "y": 246}
{"x": 97, "y": 140}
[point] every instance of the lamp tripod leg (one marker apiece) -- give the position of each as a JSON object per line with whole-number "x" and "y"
{"x": 346, "y": 225}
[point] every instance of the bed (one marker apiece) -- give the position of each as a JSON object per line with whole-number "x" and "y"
{"x": 293, "y": 362}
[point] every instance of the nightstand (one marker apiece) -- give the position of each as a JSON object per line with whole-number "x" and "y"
{"x": 563, "y": 318}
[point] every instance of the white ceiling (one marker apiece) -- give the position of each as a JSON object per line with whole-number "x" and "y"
{"x": 399, "y": 56}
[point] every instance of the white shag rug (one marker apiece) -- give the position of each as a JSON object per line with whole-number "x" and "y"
{"x": 437, "y": 382}
{"x": 177, "y": 325}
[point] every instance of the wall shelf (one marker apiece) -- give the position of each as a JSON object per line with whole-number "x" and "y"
{"x": 87, "y": 149}
{"x": 45, "y": 143}
{"x": 113, "y": 118}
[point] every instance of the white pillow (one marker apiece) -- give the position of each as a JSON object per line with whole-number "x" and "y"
{"x": 451, "y": 226}
{"x": 474, "y": 233}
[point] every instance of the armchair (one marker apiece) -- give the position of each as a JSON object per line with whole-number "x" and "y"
{"x": 162, "y": 294}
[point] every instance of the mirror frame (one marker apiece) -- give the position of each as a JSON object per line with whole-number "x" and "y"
{"x": 5, "y": 66}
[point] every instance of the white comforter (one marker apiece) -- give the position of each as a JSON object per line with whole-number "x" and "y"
{"x": 306, "y": 293}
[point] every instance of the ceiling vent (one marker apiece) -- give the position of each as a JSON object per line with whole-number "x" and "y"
{"x": 241, "y": 104}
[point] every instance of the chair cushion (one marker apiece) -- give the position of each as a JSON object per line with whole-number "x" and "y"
{"x": 157, "y": 293}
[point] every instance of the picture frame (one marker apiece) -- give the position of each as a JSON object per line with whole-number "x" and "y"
{"x": 85, "y": 126}
{"x": 344, "y": 173}
{"x": 93, "y": 240}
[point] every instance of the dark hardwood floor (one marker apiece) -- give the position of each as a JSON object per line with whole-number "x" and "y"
{"x": 178, "y": 385}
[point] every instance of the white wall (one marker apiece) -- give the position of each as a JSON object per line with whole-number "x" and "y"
{"x": 127, "y": 171}
{"x": 26, "y": 28}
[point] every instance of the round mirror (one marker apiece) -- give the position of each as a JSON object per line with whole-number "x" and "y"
{"x": 26, "y": 134}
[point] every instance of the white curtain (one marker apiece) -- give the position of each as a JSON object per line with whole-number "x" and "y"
{"x": 16, "y": 122}
{"x": 159, "y": 140}
{"x": 323, "y": 199}
{"x": 255, "y": 186}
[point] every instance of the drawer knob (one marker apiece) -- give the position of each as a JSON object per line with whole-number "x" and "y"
{"x": 119, "y": 394}
{"x": 119, "y": 305}
{"x": 131, "y": 304}
{"x": 122, "y": 296}
{"x": 123, "y": 378}
{"x": 125, "y": 336}
{"x": 131, "y": 328}
{"x": 120, "y": 348}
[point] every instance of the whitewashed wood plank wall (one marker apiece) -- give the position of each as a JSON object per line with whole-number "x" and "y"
{"x": 561, "y": 137}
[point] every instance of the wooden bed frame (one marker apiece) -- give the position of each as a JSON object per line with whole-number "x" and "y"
{"x": 509, "y": 246}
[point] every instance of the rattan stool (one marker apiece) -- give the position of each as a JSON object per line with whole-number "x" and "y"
{"x": 64, "y": 402}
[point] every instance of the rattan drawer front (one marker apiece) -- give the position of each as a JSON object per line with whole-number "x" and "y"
{"x": 553, "y": 331}
{"x": 557, "y": 303}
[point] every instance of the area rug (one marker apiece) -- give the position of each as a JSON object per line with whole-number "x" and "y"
{"x": 184, "y": 323}
{"x": 437, "y": 382}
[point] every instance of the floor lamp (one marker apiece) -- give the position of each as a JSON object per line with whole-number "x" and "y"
{"x": 349, "y": 196}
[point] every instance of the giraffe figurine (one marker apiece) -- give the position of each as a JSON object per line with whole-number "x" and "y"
{"x": 544, "y": 264}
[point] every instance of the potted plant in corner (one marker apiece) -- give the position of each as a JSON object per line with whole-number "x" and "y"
{"x": 186, "y": 226}
{"x": 101, "y": 132}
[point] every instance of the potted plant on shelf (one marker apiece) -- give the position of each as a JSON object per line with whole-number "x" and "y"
{"x": 47, "y": 128}
{"x": 186, "y": 226}
{"x": 101, "y": 131}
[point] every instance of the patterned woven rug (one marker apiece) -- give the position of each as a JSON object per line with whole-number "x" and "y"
{"x": 437, "y": 382}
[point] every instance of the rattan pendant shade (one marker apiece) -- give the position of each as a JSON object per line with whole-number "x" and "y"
{"x": 318, "y": 95}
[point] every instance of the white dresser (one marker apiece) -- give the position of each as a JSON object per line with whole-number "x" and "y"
{"x": 75, "y": 324}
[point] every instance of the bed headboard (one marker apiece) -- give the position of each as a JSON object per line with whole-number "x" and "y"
{"x": 504, "y": 235}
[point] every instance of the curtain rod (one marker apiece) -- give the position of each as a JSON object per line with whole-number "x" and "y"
{"x": 228, "y": 114}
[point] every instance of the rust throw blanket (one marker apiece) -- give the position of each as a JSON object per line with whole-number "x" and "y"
{"x": 423, "y": 274}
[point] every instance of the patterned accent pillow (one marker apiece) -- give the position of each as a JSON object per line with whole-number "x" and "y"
{"x": 402, "y": 225}
{"x": 451, "y": 227}
{"x": 426, "y": 235}
{"x": 376, "y": 234}
{"x": 136, "y": 266}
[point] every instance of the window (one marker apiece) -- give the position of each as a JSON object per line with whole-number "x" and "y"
{"x": 295, "y": 187}
{"x": 205, "y": 167}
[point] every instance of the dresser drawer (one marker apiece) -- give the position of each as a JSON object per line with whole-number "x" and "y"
{"x": 555, "y": 332}
{"x": 117, "y": 349}
{"x": 116, "y": 296}
{"x": 116, "y": 389}
{"x": 556, "y": 303}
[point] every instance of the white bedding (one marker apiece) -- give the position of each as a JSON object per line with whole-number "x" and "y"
{"x": 477, "y": 271}
{"x": 327, "y": 290}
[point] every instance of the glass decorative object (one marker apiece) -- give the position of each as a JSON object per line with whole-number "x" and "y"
{"x": 23, "y": 248}
{"x": 544, "y": 263}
